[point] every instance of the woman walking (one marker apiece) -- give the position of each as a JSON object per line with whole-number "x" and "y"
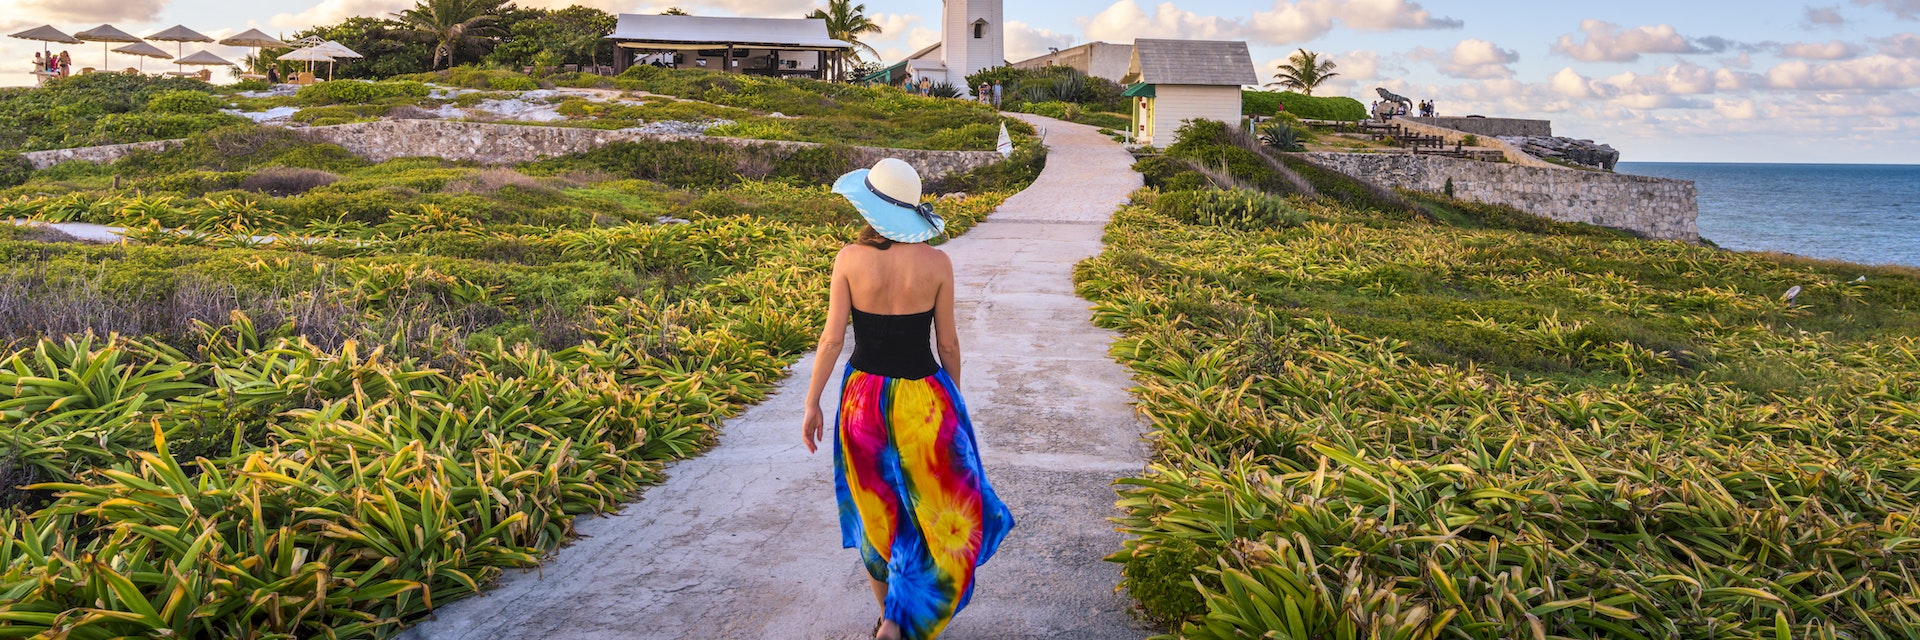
{"x": 913, "y": 496}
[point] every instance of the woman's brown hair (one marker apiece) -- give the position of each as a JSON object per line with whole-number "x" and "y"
{"x": 872, "y": 238}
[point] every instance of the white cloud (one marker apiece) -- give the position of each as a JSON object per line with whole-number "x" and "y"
{"x": 893, "y": 24}
{"x": 1606, "y": 42}
{"x": 1025, "y": 41}
{"x": 1871, "y": 73}
{"x": 1905, "y": 9}
{"x": 1388, "y": 15}
{"x": 92, "y": 11}
{"x": 1571, "y": 84}
{"x": 1126, "y": 20}
{"x": 1823, "y": 17}
{"x": 1905, "y": 45}
{"x": 1472, "y": 58}
{"x": 1287, "y": 22}
{"x": 1294, "y": 21}
{"x": 1834, "y": 50}
{"x": 333, "y": 11}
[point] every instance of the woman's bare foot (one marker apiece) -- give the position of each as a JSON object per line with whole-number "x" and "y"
{"x": 888, "y": 631}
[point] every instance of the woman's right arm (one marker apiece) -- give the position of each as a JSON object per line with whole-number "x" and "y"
{"x": 827, "y": 353}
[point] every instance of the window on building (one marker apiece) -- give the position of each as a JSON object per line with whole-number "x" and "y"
{"x": 979, "y": 29}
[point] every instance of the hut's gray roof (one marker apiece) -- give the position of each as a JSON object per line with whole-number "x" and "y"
{"x": 1213, "y": 62}
{"x": 704, "y": 30}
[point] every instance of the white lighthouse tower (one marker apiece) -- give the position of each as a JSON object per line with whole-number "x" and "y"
{"x": 972, "y": 37}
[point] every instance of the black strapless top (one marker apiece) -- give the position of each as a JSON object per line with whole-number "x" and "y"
{"x": 894, "y": 346}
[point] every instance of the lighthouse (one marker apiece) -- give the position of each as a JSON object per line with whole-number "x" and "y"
{"x": 973, "y": 36}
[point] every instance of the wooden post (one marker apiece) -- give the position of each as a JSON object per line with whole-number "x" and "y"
{"x": 728, "y": 63}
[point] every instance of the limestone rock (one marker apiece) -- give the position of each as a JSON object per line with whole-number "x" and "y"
{"x": 1586, "y": 153}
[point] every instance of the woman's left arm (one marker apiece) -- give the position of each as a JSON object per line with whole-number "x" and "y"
{"x": 826, "y": 354}
{"x": 946, "y": 336}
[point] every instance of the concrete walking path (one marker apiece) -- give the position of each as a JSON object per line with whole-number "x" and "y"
{"x": 744, "y": 541}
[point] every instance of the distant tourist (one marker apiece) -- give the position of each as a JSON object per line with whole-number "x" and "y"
{"x": 926, "y": 86}
{"x": 904, "y": 450}
{"x": 273, "y": 74}
{"x": 982, "y": 93}
{"x": 39, "y": 62}
{"x": 996, "y": 94}
{"x": 66, "y": 64}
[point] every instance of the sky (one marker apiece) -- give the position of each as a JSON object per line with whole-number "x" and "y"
{"x": 1830, "y": 81}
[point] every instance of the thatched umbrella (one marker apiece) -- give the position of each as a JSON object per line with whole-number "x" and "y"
{"x": 143, "y": 50}
{"x": 204, "y": 59}
{"x": 105, "y": 34}
{"x": 46, "y": 33}
{"x": 256, "y": 39}
{"x": 179, "y": 35}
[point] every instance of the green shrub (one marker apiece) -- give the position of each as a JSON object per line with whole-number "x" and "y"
{"x": 14, "y": 170}
{"x": 1014, "y": 174}
{"x": 1216, "y": 146}
{"x": 512, "y": 83}
{"x": 357, "y": 92}
{"x": 139, "y": 127}
{"x": 812, "y": 165}
{"x": 1238, "y": 209}
{"x": 1169, "y": 174}
{"x": 1266, "y": 103}
{"x": 756, "y": 130}
{"x": 250, "y": 85}
{"x": 185, "y": 102}
{"x": 190, "y": 183}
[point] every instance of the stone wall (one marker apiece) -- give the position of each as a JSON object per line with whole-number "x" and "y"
{"x": 1656, "y": 208}
{"x": 100, "y": 155}
{"x": 504, "y": 144}
{"x": 1485, "y": 127}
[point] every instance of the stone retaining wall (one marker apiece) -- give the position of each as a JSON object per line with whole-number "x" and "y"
{"x": 504, "y": 144}
{"x": 99, "y": 155}
{"x": 1485, "y": 127}
{"x": 1655, "y": 208}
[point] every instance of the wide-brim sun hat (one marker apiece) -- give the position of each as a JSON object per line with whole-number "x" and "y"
{"x": 888, "y": 196}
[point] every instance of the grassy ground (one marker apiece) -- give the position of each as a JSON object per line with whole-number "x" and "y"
{"x": 113, "y": 108}
{"x": 1421, "y": 418}
{"x": 425, "y": 379}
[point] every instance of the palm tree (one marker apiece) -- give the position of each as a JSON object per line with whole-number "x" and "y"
{"x": 674, "y": 11}
{"x": 450, "y": 24}
{"x": 847, "y": 21}
{"x": 1304, "y": 71}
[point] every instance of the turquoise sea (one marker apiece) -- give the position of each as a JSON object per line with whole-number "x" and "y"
{"x": 1855, "y": 212}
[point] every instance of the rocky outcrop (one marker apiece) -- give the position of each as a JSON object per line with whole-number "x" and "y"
{"x": 1585, "y": 153}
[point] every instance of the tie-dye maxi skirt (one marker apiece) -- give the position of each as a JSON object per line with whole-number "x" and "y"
{"x": 913, "y": 496}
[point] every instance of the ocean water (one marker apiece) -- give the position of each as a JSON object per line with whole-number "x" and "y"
{"x": 1861, "y": 213}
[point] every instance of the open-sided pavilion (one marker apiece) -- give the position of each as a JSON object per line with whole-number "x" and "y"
{"x": 783, "y": 47}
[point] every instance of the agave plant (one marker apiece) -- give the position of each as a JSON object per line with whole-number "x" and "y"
{"x": 1281, "y": 137}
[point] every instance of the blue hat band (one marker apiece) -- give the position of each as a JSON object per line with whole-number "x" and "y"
{"x": 925, "y": 209}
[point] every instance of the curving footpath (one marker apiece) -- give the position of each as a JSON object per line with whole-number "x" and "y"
{"x": 744, "y": 541}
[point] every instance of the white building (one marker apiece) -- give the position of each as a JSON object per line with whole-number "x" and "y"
{"x": 973, "y": 36}
{"x": 1097, "y": 59}
{"x": 1181, "y": 80}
